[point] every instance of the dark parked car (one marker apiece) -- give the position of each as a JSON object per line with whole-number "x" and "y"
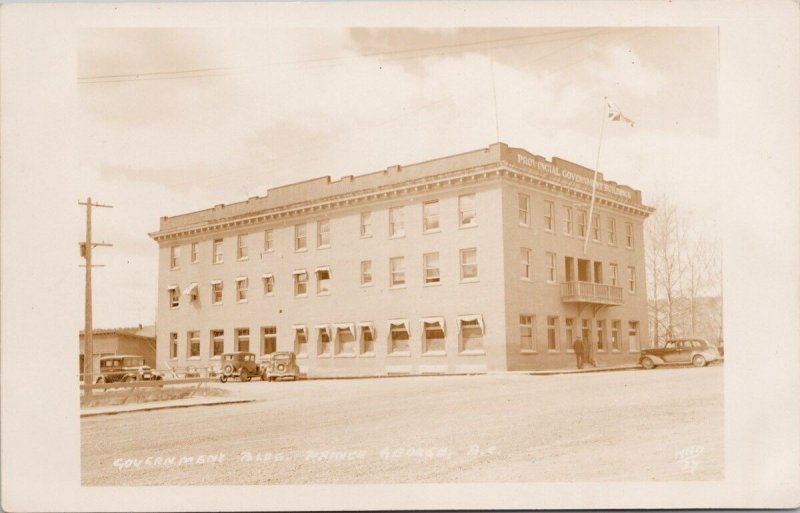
{"x": 283, "y": 364}
{"x": 240, "y": 364}
{"x": 696, "y": 351}
{"x": 125, "y": 368}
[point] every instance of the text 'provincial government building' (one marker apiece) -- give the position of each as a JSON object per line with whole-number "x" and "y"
{"x": 464, "y": 264}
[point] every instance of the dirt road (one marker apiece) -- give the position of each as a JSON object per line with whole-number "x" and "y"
{"x": 665, "y": 424}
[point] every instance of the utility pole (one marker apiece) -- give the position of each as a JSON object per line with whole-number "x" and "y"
{"x": 86, "y": 253}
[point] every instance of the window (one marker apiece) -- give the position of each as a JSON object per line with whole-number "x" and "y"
{"x": 632, "y": 280}
{"x": 629, "y": 235}
{"x": 616, "y": 327}
{"x": 567, "y": 220}
{"x": 218, "y": 256}
{"x": 550, "y": 267}
{"x": 367, "y": 339}
{"x": 582, "y": 217}
{"x": 613, "y": 270}
{"x": 300, "y": 239}
{"x": 323, "y": 281}
{"x": 243, "y": 339}
{"x": 470, "y": 333}
{"x": 366, "y": 272}
{"x": 596, "y": 227}
{"x": 217, "y": 342}
{"x": 194, "y": 344}
{"x": 366, "y": 224}
{"x": 527, "y": 338}
{"x": 397, "y": 270}
{"x": 173, "y": 345}
{"x": 586, "y": 331}
{"x": 174, "y": 296}
{"x": 601, "y": 335}
{"x": 569, "y": 332}
{"x": 269, "y": 241}
{"x": 345, "y": 340}
{"x": 633, "y": 336}
{"x": 323, "y": 341}
{"x": 552, "y": 333}
{"x": 430, "y": 216}
{"x": 549, "y": 216}
{"x": 598, "y": 272}
{"x": 241, "y": 289}
{"x": 323, "y": 233}
{"x": 241, "y": 247}
{"x": 195, "y": 252}
{"x": 269, "y": 284}
{"x": 525, "y": 263}
{"x": 396, "y": 222}
{"x": 466, "y": 210}
{"x": 612, "y": 231}
{"x": 301, "y": 341}
{"x": 430, "y": 268}
{"x": 269, "y": 339}
{"x": 398, "y": 337}
{"x": 300, "y": 283}
{"x": 433, "y": 335}
{"x": 524, "y": 209}
{"x": 216, "y": 292}
{"x": 469, "y": 264}
{"x": 174, "y": 257}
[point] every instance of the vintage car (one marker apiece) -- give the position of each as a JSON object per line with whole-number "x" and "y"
{"x": 240, "y": 364}
{"x": 125, "y": 368}
{"x": 696, "y": 351}
{"x": 282, "y": 364}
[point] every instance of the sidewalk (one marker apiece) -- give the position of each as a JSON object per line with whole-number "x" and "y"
{"x": 160, "y": 405}
{"x": 586, "y": 369}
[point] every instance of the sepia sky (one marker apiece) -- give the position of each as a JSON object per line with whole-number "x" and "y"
{"x": 177, "y": 120}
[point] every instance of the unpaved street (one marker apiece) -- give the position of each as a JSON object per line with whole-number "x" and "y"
{"x": 665, "y": 424}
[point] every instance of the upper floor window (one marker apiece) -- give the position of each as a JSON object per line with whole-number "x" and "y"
{"x": 216, "y": 292}
{"x": 195, "y": 253}
{"x": 524, "y": 209}
{"x": 300, "y": 283}
{"x": 174, "y": 296}
{"x": 550, "y": 266}
{"x": 614, "y": 272}
{"x": 469, "y": 264}
{"x": 430, "y": 216}
{"x": 269, "y": 283}
{"x": 549, "y": 216}
{"x": 300, "y": 238}
{"x": 525, "y": 263}
{"x": 396, "y": 222}
{"x": 466, "y": 210}
{"x": 582, "y": 219}
{"x": 567, "y": 220}
{"x": 612, "y": 231}
{"x": 241, "y": 247}
{"x": 430, "y": 268}
{"x": 596, "y": 227}
{"x": 397, "y": 271}
{"x": 241, "y": 289}
{"x": 323, "y": 233}
{"x": 366, "y": 272}
{"x": 174, "y": 257}
{"x": 269, "y": 240}
{"x": 629, "y": 235}
{"x": 323, "y": 280}
{"x": 366, "y": 224}
{"x": 218, "y": 256}
{"x": 631, "y": 279}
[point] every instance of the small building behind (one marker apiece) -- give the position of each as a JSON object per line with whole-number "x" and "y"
{"x": 138, "y": 340}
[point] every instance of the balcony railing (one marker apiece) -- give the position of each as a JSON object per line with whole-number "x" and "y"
{"x": 589, "y": 292}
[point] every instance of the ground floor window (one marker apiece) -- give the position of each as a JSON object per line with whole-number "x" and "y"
{"x": 345, "y": 340}
{"x": 243, "y": 339}
{"x": 217, "y": 342}
{"x": 173, "y": 345}
{"x": 552, "y": 333}
{"x": 433, "y": 336}
{"x": 586, "y": 330}
{"x": 526, "y": 333}
{"x": 569, "y": 332}
{"x": 323, "y": 341}
{"x": 633, "y": 336}
{"x": 601, "y": 335}
{"x": 470, "y": 333}
{"x": 300, "y": 341}
{"x": 269, "y": 339}
{"x": 616, "y": 327}
{"x": 367, "y": 339}
{"x": 193, "y": 338}
{"x": 399, "y": 337}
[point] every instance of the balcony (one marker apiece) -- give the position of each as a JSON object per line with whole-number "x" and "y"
{"x": 589, "y": 292}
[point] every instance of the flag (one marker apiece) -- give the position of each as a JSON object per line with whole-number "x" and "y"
{"x": 615, "y": 114}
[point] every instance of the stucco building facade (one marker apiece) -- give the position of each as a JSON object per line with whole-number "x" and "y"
{"x": 465, "y": 264}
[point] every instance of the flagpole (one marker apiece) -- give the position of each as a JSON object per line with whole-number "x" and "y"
{"x": 594, "y": 180}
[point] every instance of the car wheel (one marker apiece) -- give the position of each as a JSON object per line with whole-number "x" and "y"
{"x": 228, "y": 369}
{"x": 244, "y": 376}
{"x": 648, "y": 363}
{"x": 699, "y": 360}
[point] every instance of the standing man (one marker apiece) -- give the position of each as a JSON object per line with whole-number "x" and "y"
{"x": 580, "y": 352}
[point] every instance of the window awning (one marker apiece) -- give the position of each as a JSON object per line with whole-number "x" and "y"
{"x": 190, "y": 290}
{"x": 241, "y": 278}
{"x": 266, "y": 275}
{"x": 367, "y": 324}
{"x": 326, "y": 327}
{"x": 399, "y": 323}
{"x": 470, "y": 318}
{"x": 346, "y": 326}
{"x": 300, "y": 327}
{"x": 323, "y": 268}
{"x": 216, "y": 282}
{"x": 299, "y": 271}
{"x": 172, "y": 287}
{"x": 432, "y": 320}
